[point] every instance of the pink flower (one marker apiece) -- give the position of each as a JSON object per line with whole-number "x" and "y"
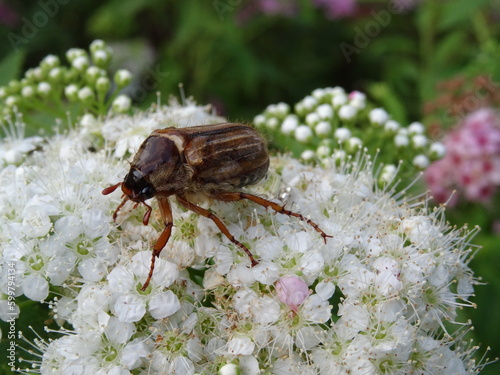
{"x": 337, "y": 8}
{"x": 292, "y": 291}
{"x": 472, "y": 162}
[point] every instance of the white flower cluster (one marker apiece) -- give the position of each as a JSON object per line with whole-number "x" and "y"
{"x": 331, "y": 122}
{"x": 372, "y": 299}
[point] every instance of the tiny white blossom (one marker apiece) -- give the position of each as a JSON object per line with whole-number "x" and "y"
{"x": 323, "y": 128}
{"x": 347, "y": 112}
{"x": 391, "y": 126}
{"x": 437, "y": 150}
{"x": 121, "y": 104}
{"x": 416, "y": 128}
{"x": 421, "y": 161}
{"x": 303, "y": 133}
{"x": 357, "y": 99}
{"x": 312, "y": 119}
{"x": 419, "y": 141}
{"x": 339, "y": 100}
{"x": 309, "y": 103}
{"x": 44, "y": 88}
{"x": 307, "y": 155}
{"x": 342, "y": 134}
{"x": 123, "y": 77}
{"x": 259, "y": 120}
{"x": 378, "y": 116}
{"x": 85, "y": 93}
{"x": 27, "y": 91}
{"x": 80, "y": 63}
{"x": 290, "y": 123}
{"x": 324, "y": 111}
{"x": 272, "y": 123}
{"x": 240, "y": 346}
{"x": 401, "y": 140}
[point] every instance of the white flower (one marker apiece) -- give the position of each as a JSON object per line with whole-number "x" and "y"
{"x": 303, "y": 133}
{"x": 357, "y": 99}
{"x": 229, "y": 369}
{"x": 342, "y": 134}
{"x": 347, "y": 112}
{"x": 323, "y": 128}
{"x": 80, "y": 63}
{"x": 312, "y": 119}
{"x": 27, "y": 91}
{"x": 339, "y": 100}
{"x": 121, "y": 104}
{"x": 309, "y": 103}
{"x": 437, "y": 150}
{"x": 421, "y": 161}
{"x": 378, "y": 116}
{"x": 85, "y": 94}
{"x": 123, "y": 77}
{"x": 419, "y": 141}
{"x": 324, "y": 111}
{"x": 240, "y": 346}
{"x": 416, "y": 128}
{"x": 44, "y": 88}
{"x": 401, "y": 140}
{"x": 391, "y": 126}
{"x": 290, "y": 123}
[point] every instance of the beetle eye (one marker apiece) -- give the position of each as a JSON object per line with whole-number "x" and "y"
{"x": 147, "y": 192}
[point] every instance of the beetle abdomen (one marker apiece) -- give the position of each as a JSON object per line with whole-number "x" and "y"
{"x": 233, "y": 158}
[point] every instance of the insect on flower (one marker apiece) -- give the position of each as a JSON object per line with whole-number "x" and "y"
{"x": 195, "y": 164}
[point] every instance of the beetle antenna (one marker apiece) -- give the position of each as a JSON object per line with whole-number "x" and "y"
{"x": 110, "y": 189}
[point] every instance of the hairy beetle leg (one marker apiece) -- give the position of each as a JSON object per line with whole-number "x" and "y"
{"x": 201, "y": 211}
{"x": 238, "y": 196}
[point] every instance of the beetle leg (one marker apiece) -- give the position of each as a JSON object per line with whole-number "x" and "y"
{"x": 115, "y": 214}
{"x": 237, "y": 196}
{"x": 201, "y": 211}
{"x": 166, "y": 214}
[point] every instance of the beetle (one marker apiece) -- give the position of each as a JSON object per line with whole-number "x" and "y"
{"x": 194, "y": 164}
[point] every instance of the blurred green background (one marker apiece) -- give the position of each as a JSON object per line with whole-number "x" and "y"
{"x": 428, "y": 61}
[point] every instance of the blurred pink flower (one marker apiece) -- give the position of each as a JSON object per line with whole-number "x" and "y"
{"x": 292, "y": 291}
{"x": 337, "y": 8}
{"x": 472, "y": 161}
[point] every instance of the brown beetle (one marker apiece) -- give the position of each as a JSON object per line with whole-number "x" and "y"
{"x": 193, "y": 163}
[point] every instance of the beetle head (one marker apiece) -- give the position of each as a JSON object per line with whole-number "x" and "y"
{"x": 136, "y": 187}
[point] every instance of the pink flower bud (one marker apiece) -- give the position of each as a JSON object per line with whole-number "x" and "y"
{"x": 292, "y": 291}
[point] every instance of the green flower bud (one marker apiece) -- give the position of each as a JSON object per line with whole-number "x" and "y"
{"x": 102, "y": 84}
{"x": 123, "y": 77}
{"x": 71, "y": 92}
{"x": 121, "y": 104}
{"x": 85, "y": 94}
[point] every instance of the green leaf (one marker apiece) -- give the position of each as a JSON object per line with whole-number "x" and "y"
{"x": 10, "y": 67}
{"x": 455, "y": 13}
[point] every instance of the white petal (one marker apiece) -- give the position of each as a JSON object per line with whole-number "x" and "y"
{"x": 129, "y": 308}
{"x": 163, "y": 304}
{"x": 35, "y": 287}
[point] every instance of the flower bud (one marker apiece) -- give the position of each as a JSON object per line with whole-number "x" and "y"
{"x": 85, "y": 94}
{"x": 44, "y": 89}
{"x": 303, "y": 133}
{"x": 123, "y": 77}
{"x": 80, "y": 63}
{"x": 421, "y": 161}
{"x": 102, "y": 84}
{"x": 290, "y": 123}
{"x": 347, "y": 112}
{"x": 71, "y": 92}
{"x": 121, "y": 104}
{"x": 378, "y": 116}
